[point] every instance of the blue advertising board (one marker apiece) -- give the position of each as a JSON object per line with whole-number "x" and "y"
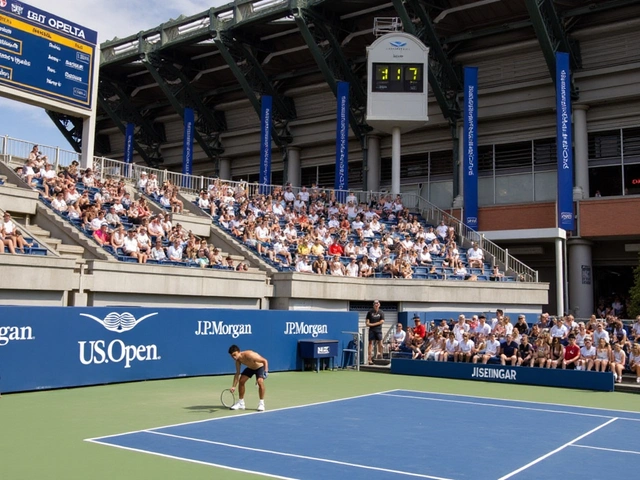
{"x": 564, "y": 139}
{"x": 265, "y": 143}
{"x": 470, "y": 180}
{"x": 602, "y": 381}
{"x": 53, "y": 347}
{"x": 43, "y": 54}
{"x": 341, "y": 183}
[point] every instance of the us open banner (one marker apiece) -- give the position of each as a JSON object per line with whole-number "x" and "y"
{"x": 187, "y": 146}
{"x": 470, "y": 133}
{"x": 341, "y": 183}
{"x": 128, "y": 144}
{"x": 265, "y": 143}
{"x": 564, "y": 140}
{"x": 53, "y": 347}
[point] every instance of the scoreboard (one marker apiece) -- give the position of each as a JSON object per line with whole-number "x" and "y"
{"x": 45, "y": 55}
{"x": 397, "y": 67}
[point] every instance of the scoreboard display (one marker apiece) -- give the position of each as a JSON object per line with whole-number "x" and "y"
{"x": 398, "y": 77}
{"x": 45, "y": 55}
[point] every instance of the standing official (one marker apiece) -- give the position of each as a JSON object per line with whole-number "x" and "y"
{"x": 375, "y": 320}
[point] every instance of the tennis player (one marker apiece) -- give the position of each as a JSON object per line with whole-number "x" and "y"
{"x": 255, "y": 364}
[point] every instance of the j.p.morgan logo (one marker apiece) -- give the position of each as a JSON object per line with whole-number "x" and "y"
{"x": 15, "y": 334}
{"x": 301, "y": 328}
{"x": 234, "y": 330}
{"x": 98, "y": 352}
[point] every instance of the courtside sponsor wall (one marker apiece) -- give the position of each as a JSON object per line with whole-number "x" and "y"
{"x": 44, "y": 347}
{"x": 602, "y": 381}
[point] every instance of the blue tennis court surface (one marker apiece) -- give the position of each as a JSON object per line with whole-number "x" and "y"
{"x": 407, "y": 434}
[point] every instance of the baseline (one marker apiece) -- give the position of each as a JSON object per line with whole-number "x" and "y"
{"x": 519, "y": 404}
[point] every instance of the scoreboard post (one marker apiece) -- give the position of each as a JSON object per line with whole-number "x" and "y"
{"x": 397, "y": 87}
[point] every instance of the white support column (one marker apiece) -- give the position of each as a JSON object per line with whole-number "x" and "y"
{"x": 293, "y": 169}
{"x": 580, "y": 277}
{"x": 559, "y": 277}
{"x": 88, "y": 141}
{"x": 225, "y": 169}
{"x": 396, "y": 145}
{"x": 581, "y": 150}
{"x": 373, "y": 161}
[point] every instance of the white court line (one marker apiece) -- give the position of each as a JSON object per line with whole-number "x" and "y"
{"x": 292, "y": 455}
{"x": 514, "y": 407}
{"x": 517, "y": 401}
{"x": 562, "y": 447}
{"x": 191, "y": 460}
{"x": 606, "y": 449}
{"x": 236, "y": 416}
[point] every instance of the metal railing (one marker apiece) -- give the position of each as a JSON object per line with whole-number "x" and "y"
{"x": 192, "y": 184}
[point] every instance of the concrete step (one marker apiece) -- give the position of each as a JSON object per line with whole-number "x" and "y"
{"x": 72, "y": 251}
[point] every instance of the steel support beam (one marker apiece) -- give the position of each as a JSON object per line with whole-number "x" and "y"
{"x": 178, "y": 90}
{"x": 71, "y": 129}
{"x": 148, "y": 137}
{"x": 327, "y": 53}
{"x": 238, "y": 53}
{"x": 553, "y": 38}
{"x": 444, "y": 76}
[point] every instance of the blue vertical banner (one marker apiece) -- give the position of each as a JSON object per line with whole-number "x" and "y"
{"x": 187, "y": 146}
{"x": 564, "y": 140}
{"x": 471, "y": 147}
{"x": 265, "y": 143}
{"x": 341, "y": 183}
{"x": 128, "y": 147}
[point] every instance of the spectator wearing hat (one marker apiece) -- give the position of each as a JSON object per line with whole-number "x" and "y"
{"x": 102, "y": 236}
{"x": 419, "y": 329}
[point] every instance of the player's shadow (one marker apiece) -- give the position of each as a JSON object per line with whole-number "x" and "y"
{"x": 204, "y": 408}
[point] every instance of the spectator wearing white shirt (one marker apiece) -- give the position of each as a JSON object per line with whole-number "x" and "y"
{"x": 142, "y": 182}
{"x": 475, "y": 256}
{"x": 558, "y": 330}
{"x": 599, "y": 333}
{"x": 302, "y": 265}
{"x": 352, "y": 269}
{"x": 132, "y": 248}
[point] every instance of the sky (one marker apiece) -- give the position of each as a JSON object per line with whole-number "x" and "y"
{"x": 110, "y": 19}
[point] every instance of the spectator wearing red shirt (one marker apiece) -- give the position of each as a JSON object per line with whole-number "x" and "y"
{"x": 419, "y": 329}
{"x": 336, "y": 249}
{"x": 571, "y": 354}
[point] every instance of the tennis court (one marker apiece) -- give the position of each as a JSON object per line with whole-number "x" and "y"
{"x": 345, "y": 439}
{"x": 318, "y": 426}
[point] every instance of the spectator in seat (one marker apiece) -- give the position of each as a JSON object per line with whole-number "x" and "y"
{"x": 466, "y": 349}
{"x": 599, "y": 333}
{"x": 10, "y": 231}
{"x": 131, "y": 247}
{"x": 397, "y": 338}
{"x": 101, "y": 236}
{"x": 521, "y": 325}
{"x": 509, "y": 351}
{"x": 571, "y": 354}
{"x": 475, "y": 257}
{"x": 526, "y": 353}
{"x": 6, "y": 241}
{"x": 618, "y": 361}
{"x": 302, "y": 265}
{"x": 175, "y": 251}
{"x": 634, "y": 360}
{"x": 556, "y": 353}
{"x": 320, "y": 265}
{"x": 142, "y": 182}
{"x": 418, "y": 328}
{"x": 587, "y": 355}
{"x": 603, "y": 356}
{"x": 158, "y": 253}
{"x": 117, "y": 237}
{"x": 542, "y": 353}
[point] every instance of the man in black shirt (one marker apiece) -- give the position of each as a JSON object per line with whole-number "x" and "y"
{"x": 375, "y": 319}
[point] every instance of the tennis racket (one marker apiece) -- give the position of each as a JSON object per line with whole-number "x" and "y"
{"x": 227, "y": 398}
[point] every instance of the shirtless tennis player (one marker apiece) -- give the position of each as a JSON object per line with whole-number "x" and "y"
{"x": 255, "y": 365}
